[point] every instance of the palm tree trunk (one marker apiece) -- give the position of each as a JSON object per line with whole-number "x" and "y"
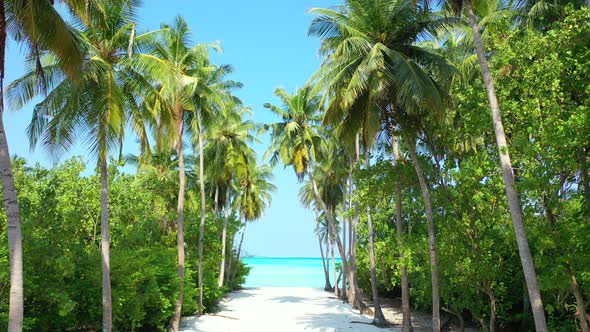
{"x": 174, "y": 324}
{"x": 343, "y": 289}
{"x": 235, "y": 269}
{"x": 224, "y": 239}
{"x": 15, "y": 241}
{"x": 336, "y": 291}
{"x": 203, "y": 212}
{"x": 431, "y": 233}
{"x": 105, "y": 245}
{"x": 407, "y": 317}
{"x": 508, "y": 176}
{"x": 327, "y": 285}
{"x": 378, "y": 317}
{"x": 331, "y": 222}
{"x": 230, "y": 261}
{"x": 350, "y": 230}
{"x": 353, "y": 270}
{"x": 216, "y": 199}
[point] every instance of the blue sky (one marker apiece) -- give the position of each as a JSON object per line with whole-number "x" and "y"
{"x": 266, "y": 41}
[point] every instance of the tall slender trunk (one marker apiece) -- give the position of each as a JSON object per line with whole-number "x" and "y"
{"x": 327, "y": 255}
{"x": 331, "y": 222}
{"x": 327, "y": 285}
{"x": 105, "y": 245}
{"x": 203, "y": 211}
{"x": 508, "y": 176}
{"x": 174, "y": 324}
{"x": 354, "y": 280}
{"x": 235, "y": 269}
{"x": 353, "y": 270}
{"x": 406, "y": 314}
{"x": 378, "y": 317}
{"x": 224, "y": 239}
{"x": 350, "y": 286}
{"x": 15, "y": 241}
{"x": 216, "y": 199}
{"x": 230, "y": 261}
{"x": 343, "y": 289}
{"x": 336, "y": 291}
{"x": 431, "y": 233}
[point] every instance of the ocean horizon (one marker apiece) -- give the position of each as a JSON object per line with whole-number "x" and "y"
{"x": 286, "y": 272}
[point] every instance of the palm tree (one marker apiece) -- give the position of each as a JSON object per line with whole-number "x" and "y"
{"x": 296, "y": 142}
{"x": 179, "y": 66}
{"x": 374, "y": 68}
{"x": 378, "y": 317}
{"x": 228, "y": 151}
{"x": 209, "y": 96}
{"x": 44, "y": 30}
{"x": 253, "y": 196}
{"x": 330, "y": 191}
{"x": 321, "y": 231}
{"x": 96, "y": 104}
{"x": 407, "y": 317}
{"x": 526, "y": 258}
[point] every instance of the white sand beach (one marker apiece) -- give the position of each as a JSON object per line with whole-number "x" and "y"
{"x": 280, "y": 309}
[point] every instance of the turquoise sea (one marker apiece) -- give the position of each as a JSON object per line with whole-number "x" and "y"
{"x": 286, "y": 272}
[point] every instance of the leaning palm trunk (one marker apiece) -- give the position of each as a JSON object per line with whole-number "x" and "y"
{"x": 327, "y": 286}
{"x": 235, "y": 268}
{"x": 331, "y": 223}
{"x": 407, "y": 317}
{"x": 15, "y": 241}
{"x": 203, "y": 212}
{"x": 174, "y": 324}
{"x": 431, "y": 234}
{"x": 224, "y": 240}
{"x": 105, "y": 246}
{"x": 378, "y": 317}
{"x": 526, "y": 258}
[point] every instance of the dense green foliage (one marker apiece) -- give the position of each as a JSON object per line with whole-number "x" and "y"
{"x": 60, "y": 209}
{"x": 542, "y": 82}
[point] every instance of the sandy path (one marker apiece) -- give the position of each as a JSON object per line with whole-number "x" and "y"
{"x": 280, "y": 309}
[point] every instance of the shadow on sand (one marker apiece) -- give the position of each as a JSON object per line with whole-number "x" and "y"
{"x": 326, "y": 322}
{"x": 288, "y": 299}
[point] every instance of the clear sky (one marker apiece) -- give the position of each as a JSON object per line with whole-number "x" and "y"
{"x": 266, "y": 41}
